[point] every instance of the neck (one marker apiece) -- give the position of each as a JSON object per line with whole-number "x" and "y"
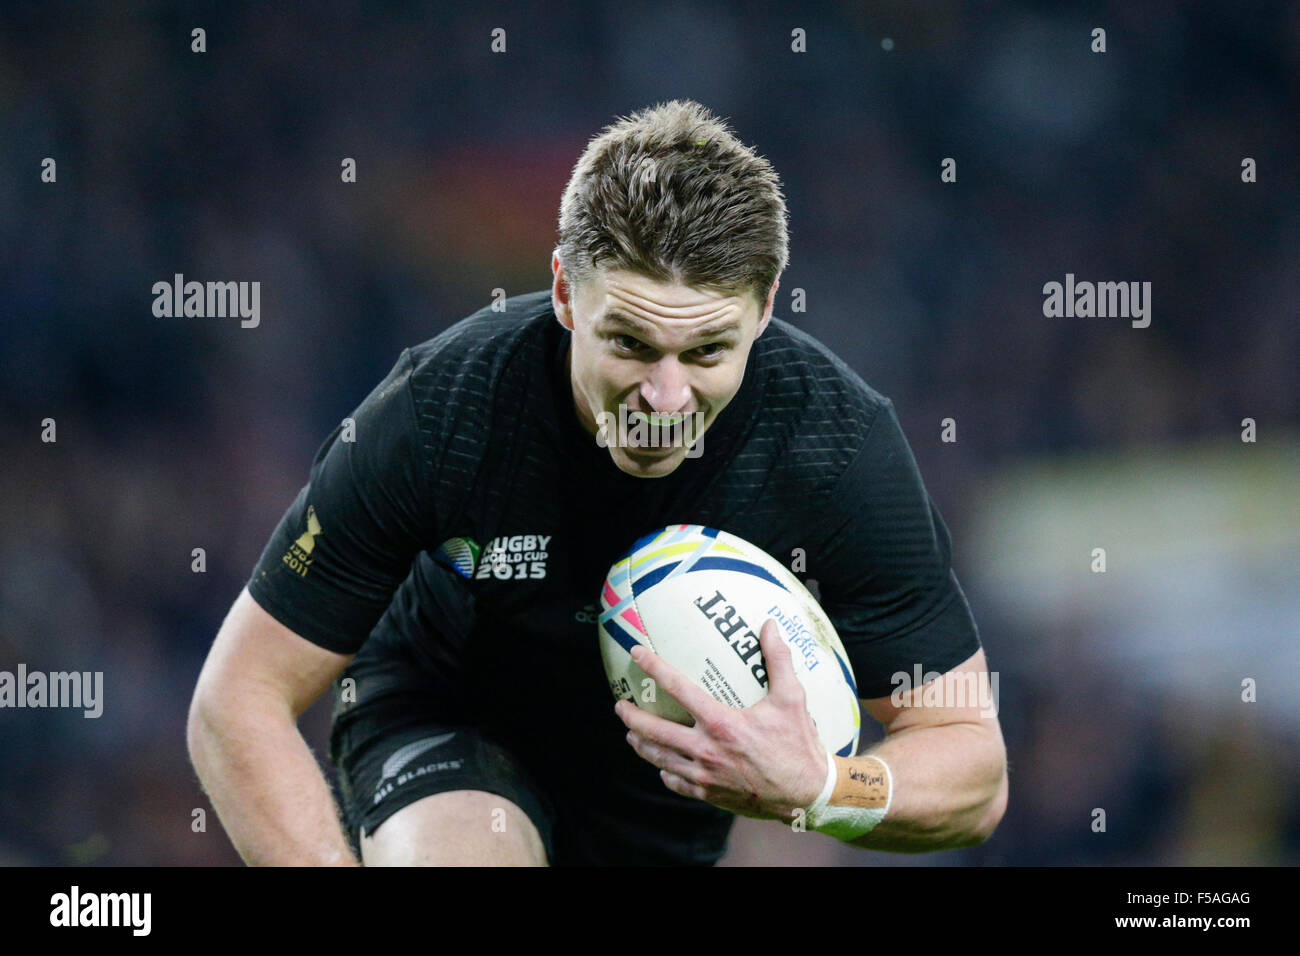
{"x": 579, "y": 407}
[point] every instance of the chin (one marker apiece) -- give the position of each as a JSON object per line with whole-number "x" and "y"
{"x": 648, "y": 466}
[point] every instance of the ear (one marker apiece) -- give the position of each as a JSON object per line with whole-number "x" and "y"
{"x": 561, "y": 293}
{"x": 767, "y": 309}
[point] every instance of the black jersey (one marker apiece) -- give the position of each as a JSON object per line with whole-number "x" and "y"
{"x": 471, "y": 449}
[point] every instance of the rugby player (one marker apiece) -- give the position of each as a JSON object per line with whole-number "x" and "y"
{"x": 441, "y": 567}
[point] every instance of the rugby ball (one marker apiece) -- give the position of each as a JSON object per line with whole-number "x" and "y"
{"x": 698, "y": 598}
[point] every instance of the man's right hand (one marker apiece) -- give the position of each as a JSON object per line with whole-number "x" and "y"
{"x": 243, "y": 739}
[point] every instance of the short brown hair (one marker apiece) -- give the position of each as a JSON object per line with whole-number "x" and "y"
{"x": 672, "y": 194}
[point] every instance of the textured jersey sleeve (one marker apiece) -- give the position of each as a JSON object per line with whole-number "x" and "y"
{"x": 884, "y": 569}
{"x": 347, "y": 541}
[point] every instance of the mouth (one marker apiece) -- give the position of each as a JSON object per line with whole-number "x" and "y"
{"x": 662, "y": 419}
{"x": 663, "y": 432}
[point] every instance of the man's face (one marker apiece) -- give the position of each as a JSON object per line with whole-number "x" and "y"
{"x": 671, "y": 355}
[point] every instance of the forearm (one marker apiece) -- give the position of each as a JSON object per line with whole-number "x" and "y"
{"x": 266, "y": 786}
{"x": 949, "y": 788}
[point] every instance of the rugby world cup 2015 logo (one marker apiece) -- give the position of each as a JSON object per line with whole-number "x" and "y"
{"x": 514, "y": 557}
{"x": 459, "y": 554}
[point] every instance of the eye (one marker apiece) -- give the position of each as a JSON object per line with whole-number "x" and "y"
{"x": 711, "y": 351}
{"x": 627, "y": 343}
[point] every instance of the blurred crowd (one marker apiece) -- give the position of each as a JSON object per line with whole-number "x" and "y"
{"x": 176, "y": 434}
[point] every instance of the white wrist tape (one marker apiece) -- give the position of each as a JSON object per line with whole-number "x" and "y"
{"x": 854, "y": 798}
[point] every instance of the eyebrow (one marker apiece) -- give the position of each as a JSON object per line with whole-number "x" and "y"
{"x": 615, "y": 319}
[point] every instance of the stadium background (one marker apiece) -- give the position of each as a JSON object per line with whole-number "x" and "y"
{"x": 1119, "y": 690}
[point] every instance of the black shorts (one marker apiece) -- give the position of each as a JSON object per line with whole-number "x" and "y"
{"x": 393, "y": 744}
{"x": 392, "y": 752}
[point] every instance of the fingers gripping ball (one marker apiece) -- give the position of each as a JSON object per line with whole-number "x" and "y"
{"x": 698, "y": 598}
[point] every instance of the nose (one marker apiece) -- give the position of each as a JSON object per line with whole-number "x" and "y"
{"x": 666, "y": 388}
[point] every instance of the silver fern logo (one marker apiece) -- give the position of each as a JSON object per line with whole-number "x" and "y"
{"x": 404, "y": 755}
{"x": 395, "y": 773}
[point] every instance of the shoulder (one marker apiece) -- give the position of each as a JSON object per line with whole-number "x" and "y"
{"x": 467, "y": 377}
{"x": 817, "y": 410}
{"x": 485, "y": 343}
{"x": 803, "y": 367}
{"x": 484, "y": 358}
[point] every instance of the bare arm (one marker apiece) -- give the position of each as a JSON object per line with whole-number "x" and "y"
{"x": 244, "y": 742}
{"x": 948, "y": 762}
{"x": 945, "y": 753}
